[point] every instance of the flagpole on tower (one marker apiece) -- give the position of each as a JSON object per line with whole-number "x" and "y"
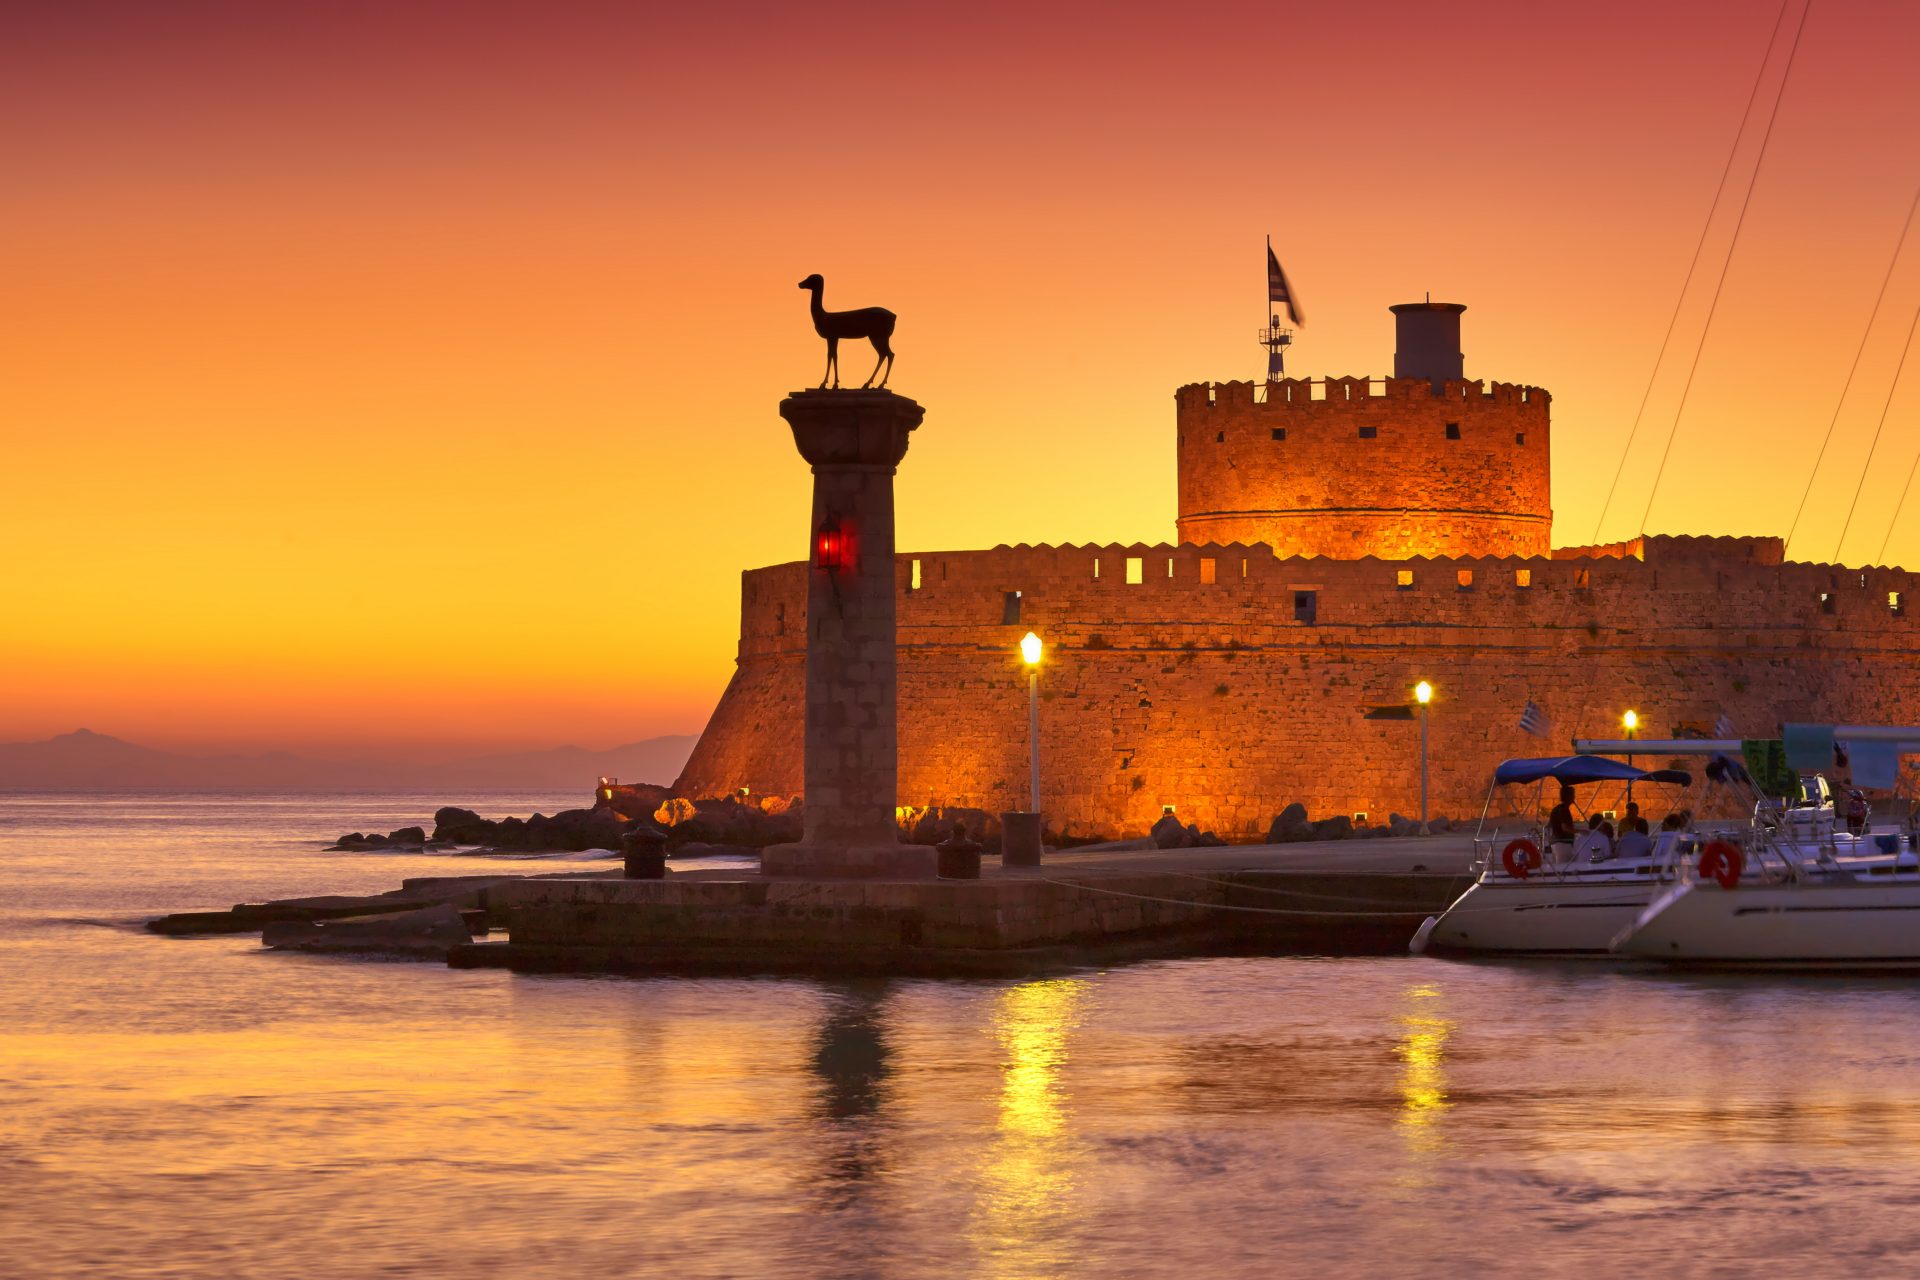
{"x": 1275, "y": 337}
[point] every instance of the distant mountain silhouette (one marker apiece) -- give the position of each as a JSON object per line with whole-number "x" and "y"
{"x": 88, "y": 761}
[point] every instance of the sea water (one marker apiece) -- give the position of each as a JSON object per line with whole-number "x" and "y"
{"x": 200, "y": 1107}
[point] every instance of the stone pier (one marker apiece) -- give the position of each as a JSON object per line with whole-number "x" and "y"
{"x": 854, "y": 441}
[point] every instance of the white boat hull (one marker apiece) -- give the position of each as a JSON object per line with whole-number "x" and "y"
{"x": 1829, "y": 923}
{"x": 1539, "y": 916}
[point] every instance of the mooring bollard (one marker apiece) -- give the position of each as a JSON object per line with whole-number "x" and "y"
{"x": 646, "y": 850}
{"x": 1019, "y": 839}
{"x": 959, "y": 856}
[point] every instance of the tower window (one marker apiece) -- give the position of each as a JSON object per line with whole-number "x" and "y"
{"x": 1826, "y": 602}
{"x": 1453, "y": 431}
{"x": 1465, "y": 578}
{"x": 1523, "y": 577}
{"x": 1896, "y": 604}
{"x": 1404, "y": 580}
{"x": 913, "y": 577}
{"x": 1519, "y": 437}
{"x": 1096, "y": 568}
{"x": 1206, "y": 568}
{"x": 1136, "y": 570}
{"x": 1305, "y": 606}
{"x": 1010, "y": 608}
{"x": 1369, "y": 433}
{"x": 1220, "y": 438}
{"x": 1583, "y": 578}
{"x": 1279, "y": 433}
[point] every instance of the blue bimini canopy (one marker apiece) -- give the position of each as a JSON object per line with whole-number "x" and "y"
{"x": 1571, "y": 769}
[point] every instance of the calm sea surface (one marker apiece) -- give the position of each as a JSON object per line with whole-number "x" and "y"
{"x": 201, "y": 1108}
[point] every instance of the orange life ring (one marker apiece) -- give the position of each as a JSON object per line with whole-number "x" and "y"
{"x": 1722, "y": 861}
{"x": 1519, "y": 857}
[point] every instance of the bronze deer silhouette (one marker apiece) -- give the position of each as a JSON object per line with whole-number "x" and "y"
{"x": 872, "y": 323}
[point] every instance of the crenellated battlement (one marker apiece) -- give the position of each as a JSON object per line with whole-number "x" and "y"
{"x": 1283, "y": 394}
{"x": 1243, "y": 594}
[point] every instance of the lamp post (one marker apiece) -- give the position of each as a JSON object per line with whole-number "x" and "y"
{"x": 1423, "y": 694}
{"x": 1030, "y": 654}
{"x": 1630, "y": 722}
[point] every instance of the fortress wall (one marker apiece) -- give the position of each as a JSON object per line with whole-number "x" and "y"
{"x": 1214, "y": 698}
{"x": 1324, "y": 490}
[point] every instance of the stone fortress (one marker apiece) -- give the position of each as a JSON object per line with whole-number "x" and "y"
{"x": 1339, "y": 539}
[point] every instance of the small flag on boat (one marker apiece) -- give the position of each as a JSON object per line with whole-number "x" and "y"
{"x": 1534, "y": 720}
{"x": 1723, "y": 727}
{"x": 1279, "y": 289}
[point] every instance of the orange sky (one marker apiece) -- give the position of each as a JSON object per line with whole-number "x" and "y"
{"x": 405, "y": 373}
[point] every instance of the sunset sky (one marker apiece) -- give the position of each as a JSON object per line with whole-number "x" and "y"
{"x": 405, "y": 373}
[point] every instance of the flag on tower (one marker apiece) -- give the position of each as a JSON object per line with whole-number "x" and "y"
{"x": 1279, "y": 289}
{"x": 1534, "y": 720}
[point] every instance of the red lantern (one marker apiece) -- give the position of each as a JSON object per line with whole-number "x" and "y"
{"x": 833, "y": 546}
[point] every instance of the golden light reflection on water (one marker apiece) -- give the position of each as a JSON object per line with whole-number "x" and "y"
{"x": 1027, "y": 1178}
{"x": 1423, "y": 1078}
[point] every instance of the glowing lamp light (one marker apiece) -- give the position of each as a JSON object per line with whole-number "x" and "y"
{"x": 833, "y": 547}
{"x": 1631, "y": 720}
{"x": 1423, "y": 693}
{"x": 1030, "y": 649}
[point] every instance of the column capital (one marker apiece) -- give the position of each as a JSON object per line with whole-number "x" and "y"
{"x": 851, "y": 428}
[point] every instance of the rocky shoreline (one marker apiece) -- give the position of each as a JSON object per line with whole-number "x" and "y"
{"x": 732, "y": 826}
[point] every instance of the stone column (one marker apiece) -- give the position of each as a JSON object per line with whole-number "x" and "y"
{"x": 855, "y": 440}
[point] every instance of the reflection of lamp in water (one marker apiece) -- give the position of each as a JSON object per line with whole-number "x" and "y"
{"x": 1026, "y": 1177}
{"x": 1423, "y": 1082}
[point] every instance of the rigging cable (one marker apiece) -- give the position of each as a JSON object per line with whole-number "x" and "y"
{"x": 1713, "y": 209}
{"x": 1745, "y": 203}
{"x": 1847, "y": 385}
{"x": 1876, "y": 444}
{"x": 1881, "y": 556}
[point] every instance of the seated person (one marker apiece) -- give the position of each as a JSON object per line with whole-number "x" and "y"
{"x": 1633, "y": 821}
{"x": 1561, "y": 828}
{"x": 1675, "y": 821}
{"x": 1634, "y": 843}
{"x": 1597, "y": 844}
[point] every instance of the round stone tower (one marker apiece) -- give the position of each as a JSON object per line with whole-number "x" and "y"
{"x": 1423, "y": 463}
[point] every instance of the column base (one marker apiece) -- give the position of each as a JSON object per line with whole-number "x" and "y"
{"x": 850, "y": 862}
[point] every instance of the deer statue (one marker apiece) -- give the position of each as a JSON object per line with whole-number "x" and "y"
{"x": 872, "y": 323}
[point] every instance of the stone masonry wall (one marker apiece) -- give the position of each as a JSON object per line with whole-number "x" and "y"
{"x": 1228, "y": 682}
{"x": 1292, "y": 469}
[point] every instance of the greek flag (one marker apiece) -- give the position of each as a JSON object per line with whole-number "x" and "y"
{"x": 1280, "y": 290}
{"x": 1534, "y": 720}
{"x": 1723, "y": 727}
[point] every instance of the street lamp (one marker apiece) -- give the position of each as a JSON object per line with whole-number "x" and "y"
{"x": 1423, "y": 694}
{"x": 1630, "y": 722}
{"x": 1030, "y": 654}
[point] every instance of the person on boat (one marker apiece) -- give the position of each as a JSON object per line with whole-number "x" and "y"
{"x": 1857, "y": 812}
{"x": 1636, "y": 837}
{"x": 1596, "y": 844}
{"x": 1562, "y": 831}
